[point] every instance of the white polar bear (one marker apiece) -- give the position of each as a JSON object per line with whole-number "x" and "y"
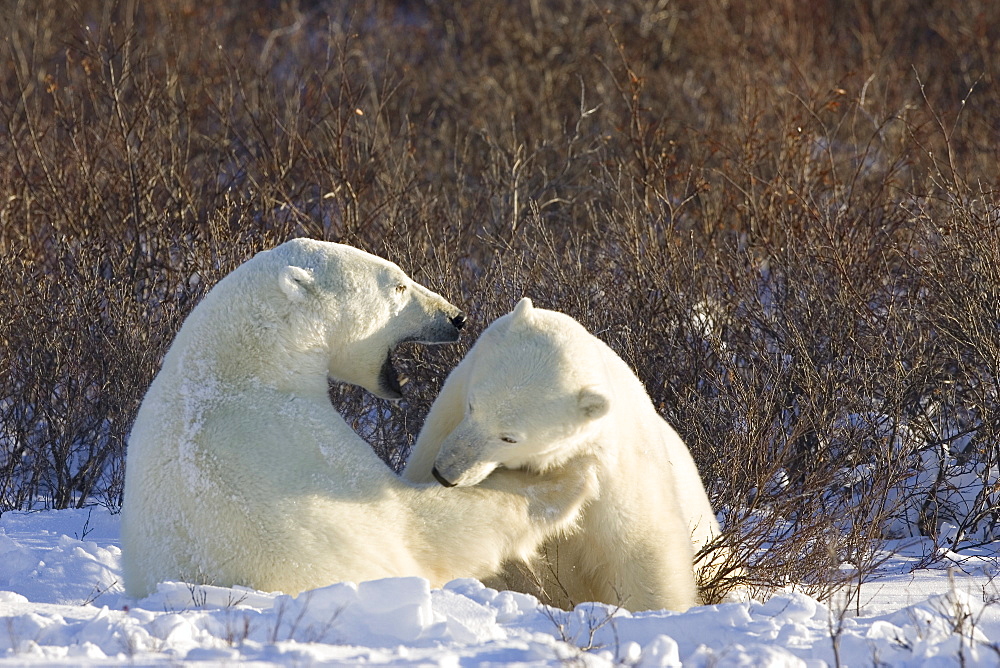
{"x": 537, "y": 389}
{"x": 241, "y": 472}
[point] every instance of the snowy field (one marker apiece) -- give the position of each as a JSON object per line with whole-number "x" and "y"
{"x": 61, "y": 604}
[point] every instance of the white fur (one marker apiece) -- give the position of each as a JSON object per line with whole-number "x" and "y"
{"x": 539, "y": 379}
{"x": 240, "y": 471}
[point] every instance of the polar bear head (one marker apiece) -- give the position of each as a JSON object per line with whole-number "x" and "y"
{"x": 534, "y": 397}
{"x": 336, "y": 302}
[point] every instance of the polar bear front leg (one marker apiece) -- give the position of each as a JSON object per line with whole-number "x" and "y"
{"x": 446, "y": 413}
{"x": 471, "y": 531}
{"x": 556, "y": 498}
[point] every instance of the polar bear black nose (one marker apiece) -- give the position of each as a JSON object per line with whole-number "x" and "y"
{"x": 440, "y": 478}
{"x": 459, "y": 320}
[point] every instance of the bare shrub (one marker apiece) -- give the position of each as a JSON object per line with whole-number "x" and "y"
{"x": 784, "y": 218}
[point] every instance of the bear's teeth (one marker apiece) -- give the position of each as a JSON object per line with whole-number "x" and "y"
{"x": 403, "y": 380}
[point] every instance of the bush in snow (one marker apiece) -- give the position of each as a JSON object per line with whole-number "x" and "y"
{"x": 792, "y": 237}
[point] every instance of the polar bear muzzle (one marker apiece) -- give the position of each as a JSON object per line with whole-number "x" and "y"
{"x": 445, "y": 330}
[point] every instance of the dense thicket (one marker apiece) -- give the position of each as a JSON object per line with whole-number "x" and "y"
{"x": 783, "y": 215}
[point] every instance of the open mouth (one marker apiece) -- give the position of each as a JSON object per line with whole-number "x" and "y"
{"x": 388, "y": 379}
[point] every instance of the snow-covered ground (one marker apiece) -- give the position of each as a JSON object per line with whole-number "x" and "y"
{"x": 61, "y": 604}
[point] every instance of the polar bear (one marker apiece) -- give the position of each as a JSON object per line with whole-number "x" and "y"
{"x": 241, "y": 472}
{"x": 538, "y": 389}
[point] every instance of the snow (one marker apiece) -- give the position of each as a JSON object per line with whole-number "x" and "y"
{"x": 61, "y": 603}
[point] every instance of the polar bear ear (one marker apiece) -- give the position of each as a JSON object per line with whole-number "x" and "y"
{"x": 592, "y": 403}
{"x": 523, "y": 309}
{"x": 296, "y": 282}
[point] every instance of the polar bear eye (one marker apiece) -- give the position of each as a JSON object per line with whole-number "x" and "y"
{"x": 508, "y": 439}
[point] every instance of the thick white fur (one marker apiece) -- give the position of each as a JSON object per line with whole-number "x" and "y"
{"x": 240, "y": 471}
{"x": 538, "y": 378}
